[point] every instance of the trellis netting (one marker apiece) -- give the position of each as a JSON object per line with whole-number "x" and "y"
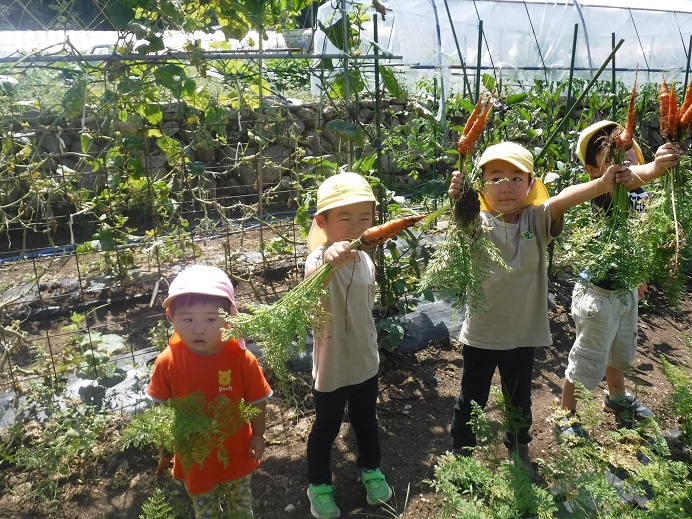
{"x": 533, "y": 39}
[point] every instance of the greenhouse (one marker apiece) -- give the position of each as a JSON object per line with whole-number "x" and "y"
{"x": 142, "y": 139}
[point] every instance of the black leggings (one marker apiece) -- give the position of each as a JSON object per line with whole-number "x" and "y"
{"x": 516, "y": 368}
{"x": 329, "y": 413}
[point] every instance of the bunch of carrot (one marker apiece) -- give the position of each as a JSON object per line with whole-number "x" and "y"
{"x": 674, "y": 121}
{"x": 275, "y": 326}
{"x": 473, "y": 127}
{"x": 467, "y": 206}
{"x": 464, "y": 260}
{"x": 622, "y": 140}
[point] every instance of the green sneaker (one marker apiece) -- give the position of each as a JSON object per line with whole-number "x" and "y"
{"x": 376, "y": 486}
{"x": 322, "y": 505}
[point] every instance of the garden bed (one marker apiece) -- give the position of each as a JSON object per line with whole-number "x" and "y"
{"x": 417, "y": 392}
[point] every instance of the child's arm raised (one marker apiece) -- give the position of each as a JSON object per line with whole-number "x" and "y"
{"x": 579, "y": 193}
{"x": 666, "y": 157}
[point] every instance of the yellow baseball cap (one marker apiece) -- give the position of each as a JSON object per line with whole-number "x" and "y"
{"x": 510, "y": 152}
{"x": 588, "y": 132}
{"x": 523, "y": 159}
{"x": 339, "y": 190}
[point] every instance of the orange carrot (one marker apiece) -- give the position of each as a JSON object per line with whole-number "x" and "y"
{"x": 164, "y": 460}
{"x": 623, "y": 140}
{"x": 673, "y": 113}
{"x": 685, "y": 105}
{"x": 468, "y": 141}
{"x": 664, "y": 107}
{"x": 472, "y": 117}
{"x": 381, "y": 233}
{"x": 686, "y": 119}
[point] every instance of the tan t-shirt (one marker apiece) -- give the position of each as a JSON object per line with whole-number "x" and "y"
{"x": 345, "y": 347}
{"x": 517, "y": 311}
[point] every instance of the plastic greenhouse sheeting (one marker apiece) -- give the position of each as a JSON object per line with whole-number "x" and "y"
{"x": 531, "y": 39}
{"x": 534, "y": 39}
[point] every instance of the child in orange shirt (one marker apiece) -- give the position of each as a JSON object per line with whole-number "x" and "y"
{"x": 198, "y": 360}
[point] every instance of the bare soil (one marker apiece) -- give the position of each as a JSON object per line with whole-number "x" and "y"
{"x": 417, "y": 393}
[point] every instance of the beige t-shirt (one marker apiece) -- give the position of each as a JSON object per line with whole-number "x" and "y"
{"x": 517, "y": 311}
{"x": 345, "y": 347}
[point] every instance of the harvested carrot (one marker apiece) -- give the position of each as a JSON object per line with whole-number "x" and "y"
{"x": 673, "y": 113}
{"x": 468, "y": 141}
{"x": 472, "y": 117}
{"x": 685, "y": 105}
{"x": 623, "y": 140}
{"x": 381, "y": 233}
{"x": 664, "y": 108}
{"x": 686, "y": 119}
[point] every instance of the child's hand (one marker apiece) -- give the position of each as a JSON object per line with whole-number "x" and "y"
{"x": 615, "y": 173}
{"x": 642, "y": 290}
{"x": 625, "y": 175}
{"x": 339, "y": 254}
{"x": 455, "y": 185}
{"x": 666, "y": 157}
{"x": 255, "y": 447}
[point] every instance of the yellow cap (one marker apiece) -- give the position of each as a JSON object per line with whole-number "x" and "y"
{"x": 523, "y": 159}
{"x": 510, "y": 152}
{"x": 588, "y": 132}
{"x": 339, "y": 190}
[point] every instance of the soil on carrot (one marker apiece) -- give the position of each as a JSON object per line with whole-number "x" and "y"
{"x": 417, "y": 393}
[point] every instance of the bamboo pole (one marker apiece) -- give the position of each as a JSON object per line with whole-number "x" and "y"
{"x": 478, "y": 60}
{"x": 552, "y": 136}
{"x": 467, "y": 86}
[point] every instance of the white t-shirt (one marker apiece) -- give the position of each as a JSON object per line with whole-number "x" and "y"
{"x": 517, "y": 300}
{"x": 345, "y": 347}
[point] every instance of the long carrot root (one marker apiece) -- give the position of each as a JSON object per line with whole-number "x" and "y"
{"x": 379, "y": 234}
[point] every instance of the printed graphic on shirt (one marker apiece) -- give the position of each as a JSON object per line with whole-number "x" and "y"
{"x": 638, "y": 199}
{"x": 225, "y": 377}
{"x": 528, "y": 235}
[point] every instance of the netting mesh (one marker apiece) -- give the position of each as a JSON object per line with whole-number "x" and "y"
{"x": 50, "y": 15}
{"x": 122, "y": 162}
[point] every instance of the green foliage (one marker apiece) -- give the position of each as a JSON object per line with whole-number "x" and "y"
{"x": 165, "y": 503}
{"x": 234, "y": 17}
{"x": 390, "y": 333}
{"x": 290, "y": 76}
{"x": 68, "y": 441}
{"x": 457, "y": 270}
{"x": 153, "y": 427}
{"x": 401, "y": 270}
{"x": 575, "y": 473}
{"x": 157, "y": 506}
{"x": 682, "y": 396}
{"x": 670, "y": 485}
{"x": 201, "y": 427}
{"x": 275, "y": 326}
{"x": 158, "y": 335}
{"x": 627, "y": 251}
{"x": 472, "y": 489}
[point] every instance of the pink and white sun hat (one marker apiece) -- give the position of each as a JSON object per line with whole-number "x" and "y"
{"x": 207, "y": 280}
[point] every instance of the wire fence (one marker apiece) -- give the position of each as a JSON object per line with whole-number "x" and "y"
{"x": 119, "y": 169}
{"x": 44, "y": 15}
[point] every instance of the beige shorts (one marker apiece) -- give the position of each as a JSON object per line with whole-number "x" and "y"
{"x": 606, "y": 329}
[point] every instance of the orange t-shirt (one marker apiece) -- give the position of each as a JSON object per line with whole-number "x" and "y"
{"x": 232, "y": 372}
